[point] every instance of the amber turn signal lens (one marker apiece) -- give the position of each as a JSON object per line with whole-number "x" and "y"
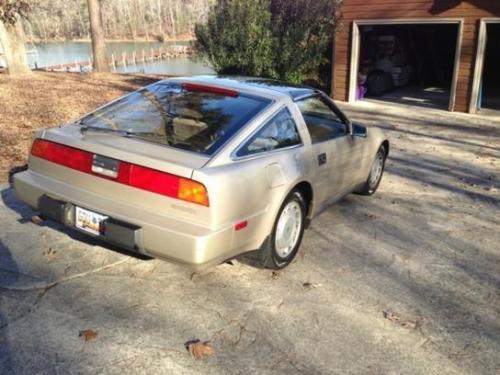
{"x": 192, "y": 191}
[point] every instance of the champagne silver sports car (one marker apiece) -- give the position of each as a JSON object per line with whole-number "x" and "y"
{"x": 200, "y": 170}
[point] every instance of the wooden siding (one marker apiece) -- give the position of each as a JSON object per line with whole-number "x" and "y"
{"x": 471, "y": 11}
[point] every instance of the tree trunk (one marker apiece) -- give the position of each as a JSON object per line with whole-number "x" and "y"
{"x": 160, "y": 20}
{"x": 12, "y": 41}
{"x": 172, "y": 21}
{"x": 100, "y": 63}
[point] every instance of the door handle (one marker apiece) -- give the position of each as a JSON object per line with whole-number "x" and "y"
{"x": 322, "y": 159}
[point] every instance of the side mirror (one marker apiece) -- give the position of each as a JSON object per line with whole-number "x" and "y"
{"x": 359, "y": 131}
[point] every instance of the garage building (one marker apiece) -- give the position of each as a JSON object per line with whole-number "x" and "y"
{"x": 432, "y": 53}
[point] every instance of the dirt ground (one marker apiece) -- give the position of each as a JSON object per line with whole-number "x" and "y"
{"x": 404, "y": 282}
{"x": 42, "y": 100}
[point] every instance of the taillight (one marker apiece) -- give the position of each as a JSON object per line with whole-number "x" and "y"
{"x": 134, "y": 175}
{"x": 63, "y": 155}
{"x": 192, "y": 191}
{"x": 164, "y": 183}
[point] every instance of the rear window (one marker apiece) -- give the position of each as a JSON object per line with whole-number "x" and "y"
{"x": 167, "y": 114}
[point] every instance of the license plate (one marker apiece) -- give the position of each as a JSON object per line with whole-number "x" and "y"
{"x": 89, "y": 221}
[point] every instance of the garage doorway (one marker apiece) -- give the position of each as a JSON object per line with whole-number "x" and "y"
{"x": 486, "y": 87}
{"x": 412, "y": 62}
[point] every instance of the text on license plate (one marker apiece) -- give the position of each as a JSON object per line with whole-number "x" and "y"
{"x": 89, "y": 221}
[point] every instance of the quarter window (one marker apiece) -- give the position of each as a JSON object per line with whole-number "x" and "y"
{"x": 279, "y": 132}
{"x": 321, "y": 121}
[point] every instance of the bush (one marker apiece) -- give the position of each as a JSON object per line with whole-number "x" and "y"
{"x": 236, "y": 39}
{"x": 282, "y": 39}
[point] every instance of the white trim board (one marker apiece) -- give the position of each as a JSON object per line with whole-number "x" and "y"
{"x": 356, "y": 43}
{"x": 479, "y": 62}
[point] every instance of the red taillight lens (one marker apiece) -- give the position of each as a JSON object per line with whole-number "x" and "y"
{"x": 137, "y": 176}
{"x": 167, "y": 184}
{"x": 63, "y": 155}
{"x": 152, "y": 180}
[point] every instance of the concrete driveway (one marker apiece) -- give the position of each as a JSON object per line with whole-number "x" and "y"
{"x": 404, "y": 282}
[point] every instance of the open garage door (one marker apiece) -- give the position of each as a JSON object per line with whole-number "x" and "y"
{"x": 486, "y": 86}
{"x": 411, "y": 62}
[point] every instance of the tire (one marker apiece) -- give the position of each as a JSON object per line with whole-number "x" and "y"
{"x": 280, "y": 248}
{"x": 376, "y": 172}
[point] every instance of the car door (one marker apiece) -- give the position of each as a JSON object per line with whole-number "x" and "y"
{"x": 334, "y": 147}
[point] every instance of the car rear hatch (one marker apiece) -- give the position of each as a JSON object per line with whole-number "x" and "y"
{"x": 110, "y": 154}
{"x": 140, "y": 151}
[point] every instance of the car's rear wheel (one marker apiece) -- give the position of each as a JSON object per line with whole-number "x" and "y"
{"x": 282, "y": 245}
{"x": 376, "y": 173}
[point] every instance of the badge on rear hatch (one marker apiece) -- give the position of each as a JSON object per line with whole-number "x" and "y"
{"x": 105, "y": 166}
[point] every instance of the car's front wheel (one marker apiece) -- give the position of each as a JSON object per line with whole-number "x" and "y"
{"x": 282, "y": 245}
{"x": 376, "y": 173}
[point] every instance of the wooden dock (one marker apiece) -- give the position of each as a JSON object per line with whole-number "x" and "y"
{"x": 125, "y": 59}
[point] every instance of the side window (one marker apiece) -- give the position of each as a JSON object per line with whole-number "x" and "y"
{"x": 279, "y": 132}
{"x": 322, "y": 122}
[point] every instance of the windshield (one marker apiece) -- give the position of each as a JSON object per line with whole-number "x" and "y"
{"x": 166, "y": 113}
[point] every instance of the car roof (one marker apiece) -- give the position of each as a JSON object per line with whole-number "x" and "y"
{"x": 270, "y": 86}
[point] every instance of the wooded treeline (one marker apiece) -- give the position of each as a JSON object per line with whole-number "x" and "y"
{"x": 122, "y": 19}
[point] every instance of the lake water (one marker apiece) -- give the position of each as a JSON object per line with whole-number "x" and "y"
{"x": 45, "y": 54}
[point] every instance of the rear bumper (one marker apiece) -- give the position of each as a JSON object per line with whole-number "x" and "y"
{"x": 135, "y": 229}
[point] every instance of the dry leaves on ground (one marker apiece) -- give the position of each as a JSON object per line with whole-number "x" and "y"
{"x": 87, "y": 334}
{"x": 395, "y": 318}
{"x": 199, "y": 349}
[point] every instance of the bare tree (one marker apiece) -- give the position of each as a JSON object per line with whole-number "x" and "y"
{"x": 122, "y": 19}
{"x": 100, "y": 63}
{"x": 12, "y": 35}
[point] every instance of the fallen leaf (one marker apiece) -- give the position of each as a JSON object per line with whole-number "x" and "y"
{"x": 87, "y": 335}
{"x": 51, "y": 253}
{"x": 36, "y": 220}
{"x": 308, "y": 285}
{"x": 410, "y": 324}
{"x": 389, "y": 315}
{"x": 199, "y": 349}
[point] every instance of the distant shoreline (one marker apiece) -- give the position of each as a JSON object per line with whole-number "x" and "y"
{"x": 118, "y": 40}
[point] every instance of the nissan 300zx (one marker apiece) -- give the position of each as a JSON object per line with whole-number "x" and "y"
{"x": 201, "y": 170}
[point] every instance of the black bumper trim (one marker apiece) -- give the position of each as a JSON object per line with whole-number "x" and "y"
{"x": 57, "y": 210}
{"x": 120, "y": 233}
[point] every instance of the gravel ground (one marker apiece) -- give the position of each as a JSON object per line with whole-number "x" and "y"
{"x": 404, "y": 282}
